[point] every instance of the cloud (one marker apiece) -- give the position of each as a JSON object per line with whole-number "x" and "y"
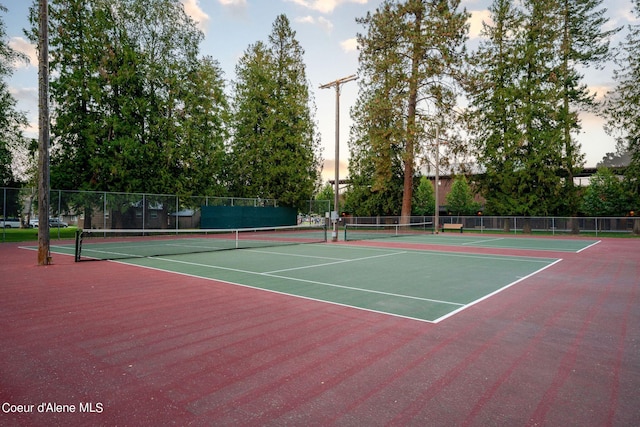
{"x": 22, "y": 45}
{"x": 600, "y": 91}
{"x": 476, "y": 20}
{"x": 321, "y": 22}
{"x": 324, "y": 6}
{"x": 325, "y": 23}
{"x": 193, "y": 9}
{"x": 305, "y": 19}
{"x": 329, "y": 171}
{"x": 237, "y": 7}
{"x": 27, "y": 98}
{"x": 349, "y": 45}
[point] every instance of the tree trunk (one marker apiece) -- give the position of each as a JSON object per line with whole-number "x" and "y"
{"x": 409, "y": 155}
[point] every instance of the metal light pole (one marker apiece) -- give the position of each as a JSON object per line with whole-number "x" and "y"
{"x": 336, "y": 84}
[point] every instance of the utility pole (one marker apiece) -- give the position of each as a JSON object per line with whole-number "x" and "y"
{"x": 436, "y": 220}
{"x": 44, "y": 252}
{"x": 337, "y": 84}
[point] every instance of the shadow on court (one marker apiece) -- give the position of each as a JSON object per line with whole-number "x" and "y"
{"x": 104, "y": 343}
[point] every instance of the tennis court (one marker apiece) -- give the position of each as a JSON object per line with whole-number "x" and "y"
{"x": 423, "y": 285}
{"x": 496, "y": 242}
{"x": 318, "y": 334}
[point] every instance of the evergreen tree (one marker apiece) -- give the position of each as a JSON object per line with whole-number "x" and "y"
{"x": 623, "y": 109}
{"x": 538, "y": 179}
{"x": 408, "y": 69}
{"x": 460, "y": 198}
{"x": 583, "y": 43}
{"x": 129, "y": 91}
{"x": 525, "y": 97}
{"x": 375, "y": 164}
{"x": 604, "y": 195}
{"x": 12, "y": 121}
{"x": 275, "y": 146}
{"x": 424, "y": 198}
{"x": 204, "y": 116}
{"x": 494, "y": 103}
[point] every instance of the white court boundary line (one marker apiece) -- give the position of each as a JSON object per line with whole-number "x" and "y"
{"x": 587, "y": 247}
{"x": 482, "y": 241}
{"x": 461, "y": 307}
{"x": 497, "y": 291}
{"x": 333, "y": 285}
{"x": 450, "y": 241}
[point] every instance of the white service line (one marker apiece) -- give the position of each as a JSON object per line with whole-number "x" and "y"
{"x": 342, "y": 261}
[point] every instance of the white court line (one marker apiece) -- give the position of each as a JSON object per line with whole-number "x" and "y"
{"x": 483, "y": 241}
{"x": 585, "y": 248}
{"x": 244, "y": 285}
{"x": 351, "y": 288}
{"x": 433, "y": 252}
{"x": 275, "y": 276}
{"x": 342, "y": 261}
{"x": 292, "y": 255}
{"x": 439, "y": 319}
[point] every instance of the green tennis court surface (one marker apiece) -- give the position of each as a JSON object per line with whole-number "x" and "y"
{"x": 479, "y": 241}
{"x": 423, "y": 285}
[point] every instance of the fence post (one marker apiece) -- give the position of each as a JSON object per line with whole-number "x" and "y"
{"x": 104, "y": 210}
{"x": 4, "y": 211}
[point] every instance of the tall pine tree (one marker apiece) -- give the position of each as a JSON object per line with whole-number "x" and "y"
{"x": 526, "y": 100}
{"x": 583, "y": 43}
{"x": 275, "y": 148}
{"x": 409, "y": 60}
{"x": 623, "y": 110}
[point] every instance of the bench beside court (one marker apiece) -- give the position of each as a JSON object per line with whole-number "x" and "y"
{"x": 452, "y": 227}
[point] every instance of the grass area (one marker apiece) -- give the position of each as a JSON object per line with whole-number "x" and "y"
{"x": 31, "y": 234}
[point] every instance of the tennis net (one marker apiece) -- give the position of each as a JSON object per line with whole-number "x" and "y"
{"x": 126, "y": 244}
{"x": 379, "y": 231}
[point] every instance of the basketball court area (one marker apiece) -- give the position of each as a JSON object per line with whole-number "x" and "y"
{"x": 420, "y": 330}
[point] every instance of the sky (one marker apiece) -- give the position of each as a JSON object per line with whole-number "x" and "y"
{"x": 326, "y": 30}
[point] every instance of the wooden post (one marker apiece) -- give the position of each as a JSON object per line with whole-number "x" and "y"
{"x": 44, "y": 254}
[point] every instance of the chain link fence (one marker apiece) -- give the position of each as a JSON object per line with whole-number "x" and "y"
{"x": 518, "y": 224}
{"x": 108, "y": 210}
